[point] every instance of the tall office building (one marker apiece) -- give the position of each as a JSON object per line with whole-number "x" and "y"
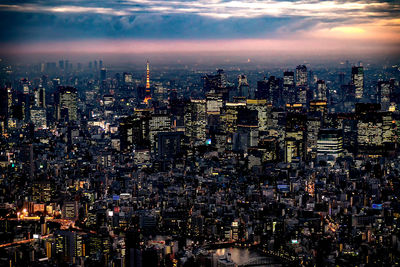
{"x": 374, "y": 129}
{"x": 158, "y": 123}
{"x": 269, "y": 90}
{"x": 321, "y": 93}
{"x": 313, "y": 127}
{"x": 5, "y": 106}
{"x": 67, "y": 103}
{"x": 289, "y": 94}
{"x": 214, "y": 83}
{"x": 243, "y": 86}
{"x": 357, "y": 79}
{"x": 262, "y": 89}
{"x": 40, "y": 97}
{"x": 296, "y": 125}
{"x": 134, "y": 131}
{"x": 263, "y": 112}
{"x": 127, "y": 78}
{"x": 70, "y": 210}
{"x": 69, "y": 246}
{"x": 196, "y": 120}
{"x": 169, "y": 145}
{"x": 103, "y": 74}
{"x": 229, "y": 116}
{"x": 214, "y": 104}
{"x": 301, "y": 75}
{"x": 384, "y": 94}
{"x": 302, "y": 84}
{"x": 38, "y": 117}
{"x": 329, "y": 145}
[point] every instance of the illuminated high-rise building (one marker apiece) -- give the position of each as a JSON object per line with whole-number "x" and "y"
{"x": 321, "y": 93}
{"x": 214, "y": 104}
{"x": 295, "y": 137}
{"x": 357, "y": 79}
{"x": 40, "y": 97}
{"x": 313, "y": 127}
{"x": 270, "y": 90}
{"x": 148, "y": 90}
{"x": 38, "y": 117}
{"x": 67, "y": 106}
{"x": 301, "y": 75}
{"x": 384, "y": 94}
{"x": 229, "y": 116}
{"x": 215, "y": 83}
{"x": 196, "y": 120}
{"x": 148, "y": 76}
{"x": 374, "y": 129}
{"x": 69, "y": 245}
{"x": 127, "y": 78}
{"x": 289, "y": 94}
{"x": 70, "y": 210}
{"x": 263, "y": 112}
{"x": 158, "y": 123}
{"x": 301, "y": 85}
{"x": 5, "y": 107}
{"x": 243, "y": 86}
{"x": 134, "y": 131}
{"x": 329, "y": 145}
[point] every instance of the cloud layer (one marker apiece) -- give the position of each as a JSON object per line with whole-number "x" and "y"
{"x": 373, "y": 21}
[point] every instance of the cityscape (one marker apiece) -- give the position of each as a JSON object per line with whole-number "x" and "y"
{"x": 200, "y": 133}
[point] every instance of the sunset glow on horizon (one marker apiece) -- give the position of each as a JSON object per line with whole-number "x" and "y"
{"x": 146, "y": 26}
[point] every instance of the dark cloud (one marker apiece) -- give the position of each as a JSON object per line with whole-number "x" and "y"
{"x": 37, "y": 20}
{"x": 37, "y": 26}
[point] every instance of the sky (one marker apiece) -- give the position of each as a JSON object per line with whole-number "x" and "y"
{"x": 200, "y": 26}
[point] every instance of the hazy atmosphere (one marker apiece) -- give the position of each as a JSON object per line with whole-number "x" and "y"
{"x": 228, "y": 28}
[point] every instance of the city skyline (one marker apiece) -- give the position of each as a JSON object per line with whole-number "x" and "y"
{"x": 209, "y": 133}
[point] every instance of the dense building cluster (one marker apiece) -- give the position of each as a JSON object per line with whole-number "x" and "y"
{"x": 163, "y": 167}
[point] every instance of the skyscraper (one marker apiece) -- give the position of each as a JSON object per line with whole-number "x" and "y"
{"x": 243, "y": 86}
{"x": 357, "y": 79}
{"x": 329, "y": 145}
{"x": 5, "y": 106}
{"x": 302, "y": 92}
{"x": 270, "y": 90}
{"x": 103, "y": 74}
{"x": 321, "y": 93}
{"x": 38, "y": 117}
{"x": 40, "y": 97}
{"x": 301, "y": 75}
{"x": 214, "y": 83}
{"x": 196, "y": 120}
{"x": 127, "y": 78}
{"x": 289, "y": 95}
{"x": 67, "y": 106}
{"x": 384, "y": 94}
